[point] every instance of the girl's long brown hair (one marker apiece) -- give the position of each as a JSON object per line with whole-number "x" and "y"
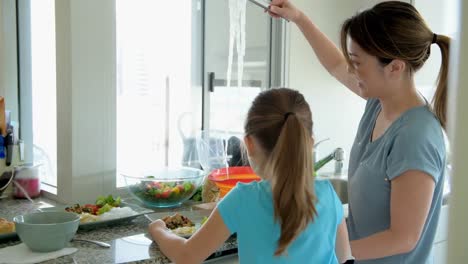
{"x": 281, "y": 123}
{"x": 395, "y": 30}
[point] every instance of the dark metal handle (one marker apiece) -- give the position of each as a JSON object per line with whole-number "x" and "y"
{"x": 212, "y": 82}
{"x": 211, "y": 79}
{"x": 245, "y": 83}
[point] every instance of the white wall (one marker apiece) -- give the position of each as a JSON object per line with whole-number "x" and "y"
{"x": 8, "y": 57}
{"x": 458, "y": 124}
{"x": 86, "y": 129}
{"x": 336, "y": 111}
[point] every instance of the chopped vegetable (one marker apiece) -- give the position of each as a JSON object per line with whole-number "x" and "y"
{"x": 197, "y": 196}
{"x": 103, "y": 204}
{"x": 155, "y": 191}
{"x": 104, "y": 209}
{"x": 102, "y": 200}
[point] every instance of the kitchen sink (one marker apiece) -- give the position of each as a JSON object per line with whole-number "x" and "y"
{"x": 341, "y": 188}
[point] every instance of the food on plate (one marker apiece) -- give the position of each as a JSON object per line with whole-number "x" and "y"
{"x": 103, "y": 204}
{"x": 182, "y": 225}
{"x": 177, "y": 220}
{"x": 103, "y": 200}
{"x": 117, "y": 212}
{"x": 167, "y": 191}
{"x": 105, "y": 208}
{"x": 88, "y": 218}
{"x": 6, "y": 226}
{"x": 184, "y": 231}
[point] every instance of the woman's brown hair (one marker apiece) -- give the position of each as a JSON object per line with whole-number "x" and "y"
{"x": 280, "y": 121}
{"x": 395, "y": 30}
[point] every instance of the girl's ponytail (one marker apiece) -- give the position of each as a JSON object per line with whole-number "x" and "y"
{"x": 290, "y": 168}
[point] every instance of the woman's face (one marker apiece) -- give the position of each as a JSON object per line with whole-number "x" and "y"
{"x": 366, "y": 69}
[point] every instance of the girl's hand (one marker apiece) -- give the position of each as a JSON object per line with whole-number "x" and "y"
{"x": 284, "y": 9}
{"x": 157, "y": 224}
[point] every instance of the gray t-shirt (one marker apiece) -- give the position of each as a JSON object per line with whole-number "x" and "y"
{"x": 413, "y": 142}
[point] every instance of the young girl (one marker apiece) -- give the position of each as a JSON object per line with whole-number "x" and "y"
{"x": 286, "y": 217}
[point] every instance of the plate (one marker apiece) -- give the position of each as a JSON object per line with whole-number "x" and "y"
{"x": 196, "y": 216}
{"x": 91, "y": 225}
{"x": 4, "y": 237}
{"x": 8, "y": 236}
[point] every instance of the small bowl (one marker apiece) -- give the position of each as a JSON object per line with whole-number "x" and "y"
{"x": 166, "y": 187}
{"x": 46, "y": 231}
{"x": 227, "y": 178}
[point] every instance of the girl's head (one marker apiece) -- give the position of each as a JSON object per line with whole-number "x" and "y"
{"x": 392, "y": 40}
{"x": 278, "y": 137}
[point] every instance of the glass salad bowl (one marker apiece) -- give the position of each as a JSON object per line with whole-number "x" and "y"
{"x": 166, "y": 187}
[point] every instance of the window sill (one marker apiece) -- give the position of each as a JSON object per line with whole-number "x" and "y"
{"x": 49, "y": 191}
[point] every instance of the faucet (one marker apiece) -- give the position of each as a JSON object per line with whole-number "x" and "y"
{"x": 337, "y": 155}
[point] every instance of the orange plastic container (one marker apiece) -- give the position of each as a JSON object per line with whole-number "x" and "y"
{"x": 227, "y": 178}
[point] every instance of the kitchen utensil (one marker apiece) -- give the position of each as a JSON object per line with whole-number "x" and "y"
{"x": 264, "y": 4}
{"x": 99, "y": 243}
{"x": 227, "y": 178}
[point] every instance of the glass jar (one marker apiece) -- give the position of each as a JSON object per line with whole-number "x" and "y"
{"x": 27, "y": 181}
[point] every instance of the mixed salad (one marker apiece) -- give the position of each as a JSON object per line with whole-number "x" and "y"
{"x": 102, "y": 205}
{"x": 105, "y": 208}
{"x": 155, "y": 191}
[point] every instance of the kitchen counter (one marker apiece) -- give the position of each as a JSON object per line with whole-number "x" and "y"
{"x": 129, "y": 242}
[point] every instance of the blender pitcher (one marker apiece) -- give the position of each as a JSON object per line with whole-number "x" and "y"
{"x": 212, "y": 150}
{"x": 27, "y": 181}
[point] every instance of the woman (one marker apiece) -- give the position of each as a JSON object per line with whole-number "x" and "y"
{"x": 285, "y": 218}
{"x": 396, "y": 169}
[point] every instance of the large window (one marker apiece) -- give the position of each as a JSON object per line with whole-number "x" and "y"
{"x": 122, "y": 85}
{"x": 43, "y": 88}
{"x": 156, "y": 97}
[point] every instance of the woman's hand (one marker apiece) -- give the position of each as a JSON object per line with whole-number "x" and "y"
{"x": 284, "y": 9}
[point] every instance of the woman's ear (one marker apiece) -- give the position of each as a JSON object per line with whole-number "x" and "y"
{"x": 396, "y": 68}
{"x": 249, "y": 144}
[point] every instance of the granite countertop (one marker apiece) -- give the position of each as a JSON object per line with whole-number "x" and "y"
{"x": 129, "y": 241}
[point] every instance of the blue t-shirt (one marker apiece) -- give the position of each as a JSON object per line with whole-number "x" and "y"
{"x": 412, "y": 142}
{"x": 248, "y": 211}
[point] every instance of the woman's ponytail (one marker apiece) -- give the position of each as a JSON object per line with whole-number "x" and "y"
{"x": 439, "y": 100}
